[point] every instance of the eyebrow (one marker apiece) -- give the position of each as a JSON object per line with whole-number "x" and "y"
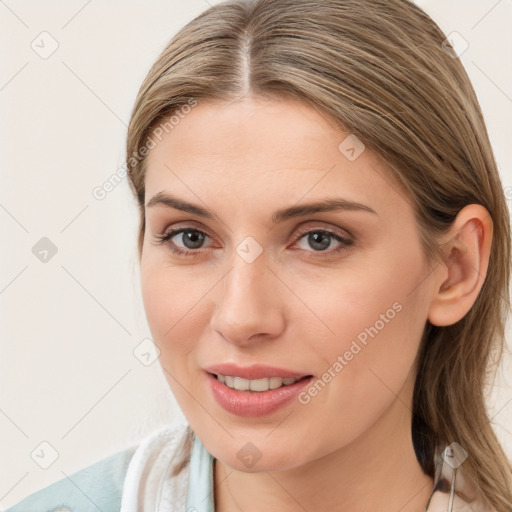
{"x": 334, "y": 204}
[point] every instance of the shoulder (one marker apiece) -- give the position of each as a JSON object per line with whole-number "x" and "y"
{"x": 95, "y": 487}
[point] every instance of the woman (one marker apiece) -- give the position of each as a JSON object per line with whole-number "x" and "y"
{"x": 324, "y": 246}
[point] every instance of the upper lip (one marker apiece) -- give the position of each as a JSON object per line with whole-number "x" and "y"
{"x": 253, "y": 372}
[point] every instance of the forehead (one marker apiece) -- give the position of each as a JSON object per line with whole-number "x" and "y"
{"x": 267, "y": 149}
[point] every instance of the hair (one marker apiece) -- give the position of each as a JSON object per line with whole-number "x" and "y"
{"x": 381, "y": 70}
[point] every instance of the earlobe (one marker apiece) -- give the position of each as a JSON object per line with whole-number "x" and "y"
{"x": 459, "y": 279}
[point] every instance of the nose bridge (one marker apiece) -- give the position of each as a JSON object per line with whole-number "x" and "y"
{"x": 244, "y": 281}
{"x": 247, "y": 303}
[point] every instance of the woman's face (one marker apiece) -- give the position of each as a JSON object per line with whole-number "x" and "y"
{"x": 270, "y": 287}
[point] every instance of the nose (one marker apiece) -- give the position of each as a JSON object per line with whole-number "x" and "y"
{"x": 248, "y": 308}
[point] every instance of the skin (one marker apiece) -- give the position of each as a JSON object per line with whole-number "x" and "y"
{"x": 297, "y": 306}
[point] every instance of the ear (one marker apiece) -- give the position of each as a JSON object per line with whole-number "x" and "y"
{"x": 459, "y": 279}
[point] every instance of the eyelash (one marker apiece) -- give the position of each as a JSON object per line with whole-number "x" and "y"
{"x": 164, "y": 238}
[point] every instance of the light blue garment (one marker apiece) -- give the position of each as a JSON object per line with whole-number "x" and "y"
{"x": 91, "y": 489}
{"x": 99, "y": 487}
{"x": 200, "y": 480}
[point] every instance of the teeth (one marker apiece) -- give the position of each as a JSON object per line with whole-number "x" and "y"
{"x": 275, "y": 382}
{"x": 241, "y": 384}
{"x": 259, "y": 385}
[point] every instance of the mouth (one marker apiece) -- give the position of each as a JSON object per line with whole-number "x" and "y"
{"x": 259, "y": 391}
{"x": 257, "y": 385}
{"x": 256, "y": 390}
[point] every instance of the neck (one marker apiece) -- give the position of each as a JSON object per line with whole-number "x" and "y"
{"x": 377, "y": 471}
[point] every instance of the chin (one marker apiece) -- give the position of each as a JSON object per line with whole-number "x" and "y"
{"x": 257, "y": 457}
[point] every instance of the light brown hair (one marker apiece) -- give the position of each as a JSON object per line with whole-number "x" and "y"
{"x": 378, "y": 70}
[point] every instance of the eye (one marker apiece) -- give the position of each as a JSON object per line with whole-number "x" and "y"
{"x": 190, "y": 238}
{"x": 189, "y": 241}
{"x": 320, "y": 240}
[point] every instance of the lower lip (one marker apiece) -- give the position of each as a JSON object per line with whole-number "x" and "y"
{"x": 254, "y": 403}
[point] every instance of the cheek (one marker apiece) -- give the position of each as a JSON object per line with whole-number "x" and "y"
{"x": 377, "y": 321}
{"x": 158, "y": 302}
{"x": 170, "y": 317}
{"x": 176, "y": 304}
{"x": 366, "y": 298}
{"x": 360, "y": 375}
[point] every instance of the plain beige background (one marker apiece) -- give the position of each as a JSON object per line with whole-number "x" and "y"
{"x": 73, "y": 374}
